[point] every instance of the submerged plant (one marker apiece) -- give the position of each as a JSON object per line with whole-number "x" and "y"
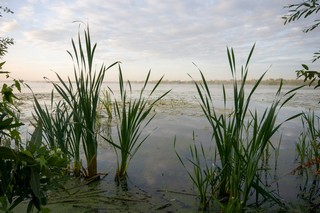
{"x": 241, "y": 137}
{"x": 82, "y": 97}
{"x": 133, "y": 115}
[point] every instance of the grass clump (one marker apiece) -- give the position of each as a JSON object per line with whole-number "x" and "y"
{"x": 82, "y": 97}
{"x": 133, "y": 115}
{"x": 203, "y": 174}
{"x": 240, "y": 139}
{"x": 308, "y": 147}
{"x": 55, "y": 122}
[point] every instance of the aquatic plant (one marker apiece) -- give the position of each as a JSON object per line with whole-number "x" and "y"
{"x": 203, "y": 173}
{"x": 106, "y": 102}
{"x": 133, "y": 115}
{"x": 83, "y": 99}
{"x": 55, "y": 122}
{"x": 25, "y": 171}
{"x": 308, "y": 147}
{"x": 241, "y": 137}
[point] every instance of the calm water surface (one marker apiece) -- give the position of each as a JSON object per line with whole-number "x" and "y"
{"x": 156, "y": 167}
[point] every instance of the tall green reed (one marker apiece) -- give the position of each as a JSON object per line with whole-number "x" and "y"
{"x": 133, "y": 116}
{"x": 82, "y": 97}
{"x": 242, "y": 136}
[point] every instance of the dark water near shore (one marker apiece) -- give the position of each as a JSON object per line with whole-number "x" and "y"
{"x": 155, "y": 169}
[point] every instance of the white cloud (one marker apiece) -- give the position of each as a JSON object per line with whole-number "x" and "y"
{"x": 26, "y": 13}
{"x": 8, "y": 26}
{"x": 140, "y": 31}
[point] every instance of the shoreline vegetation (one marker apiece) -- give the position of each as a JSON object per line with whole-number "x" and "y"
{"x": 229, "y": 169}
{"x": 270, "y": 81}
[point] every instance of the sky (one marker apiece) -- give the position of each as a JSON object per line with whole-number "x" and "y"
{"x": 163, "y": 36}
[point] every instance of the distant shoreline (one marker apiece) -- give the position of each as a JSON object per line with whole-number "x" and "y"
{"x": 270, "y": 81}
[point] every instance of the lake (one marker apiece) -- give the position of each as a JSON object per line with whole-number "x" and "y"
{"x": 156, "y": 178}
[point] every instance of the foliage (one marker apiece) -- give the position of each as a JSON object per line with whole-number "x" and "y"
{"x": 26, "y": 173}
{"x": 308, "y": 148}
{"x": 133, "y": 116}
{"x": 83, "y": 100}
{"x": 107, "y": 104}
{"x": 5, "y": 42}
{"x": 309, "y": 75}
{"x": 305, "y": 9}
{"x": 240, "y": 138}
{"x": 308, "y": 157}
{"x": 203, "y": 175}
{"x": 55, "y": 123}
{"x": 9, "y": 113}
{"x": 5, "y": 9}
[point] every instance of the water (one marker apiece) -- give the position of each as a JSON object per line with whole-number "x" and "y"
{"x": 156, "y": 168}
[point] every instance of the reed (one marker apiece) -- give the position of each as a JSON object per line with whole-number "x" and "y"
{"x": 107, "y": 104}
{"x": 55, "y": 122}
{"x": 308, "y": 148}
{"x": 82, "y": 97}
{"x": 203, "y": 174}
{"x": 241, "y": 137}
{"x": 133, "y": 115}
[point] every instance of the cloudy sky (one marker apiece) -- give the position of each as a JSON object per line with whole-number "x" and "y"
{"x": 161, "y": 35}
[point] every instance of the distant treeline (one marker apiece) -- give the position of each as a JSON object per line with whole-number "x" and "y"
{"x": 270, "y": 81}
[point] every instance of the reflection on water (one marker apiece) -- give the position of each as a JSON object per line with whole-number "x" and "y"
{"x": 156, "y": 167}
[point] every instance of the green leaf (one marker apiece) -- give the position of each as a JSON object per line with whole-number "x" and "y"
{"x": 36, "y": 138}
{"x": 1, "y": 64}
{"x": 305, "y": 66}
{"x": 17, "y": 85}
{"x": 42, "y": 162}
{"x": 16, "y": 202}
{"x": 7, "y": 153}
{"x": 35, "y": 182}
{"x": 6, "y": 123}
{"x": 26, "y": 156}
{"x": 4, "y": 203}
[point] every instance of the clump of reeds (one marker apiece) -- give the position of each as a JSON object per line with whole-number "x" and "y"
{"x": 133, "y": 115}
{"x": 82, "y": 97}
{"x": 203, "y": 174}
{"x": 240, "y": 138}
{"x": 55, "y": 122}
{"x": 308, "y": 148}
